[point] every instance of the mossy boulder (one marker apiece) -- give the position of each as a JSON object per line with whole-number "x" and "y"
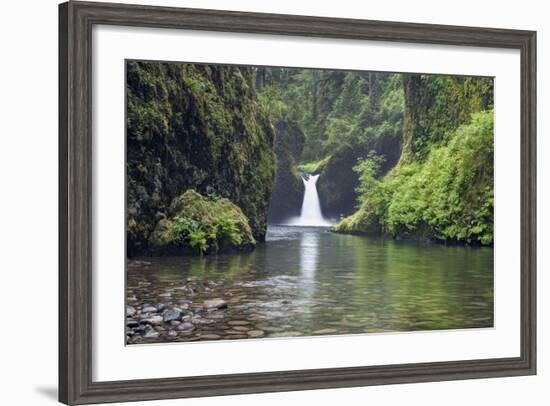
{"x": 200, "y": 225}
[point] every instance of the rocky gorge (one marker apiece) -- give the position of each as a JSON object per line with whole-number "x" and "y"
{"x": 280, "y": 202}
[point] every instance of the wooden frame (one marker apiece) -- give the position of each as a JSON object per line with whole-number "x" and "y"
{"x": 75, "y": 182}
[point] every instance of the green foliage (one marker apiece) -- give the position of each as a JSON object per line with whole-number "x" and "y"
{"x": 448, "y": 196}
{"x": 413, "y": 148}
{"x": 343, "y": 116}
{"x": 368, "y": 170}
{"x": 201, "y": 224}
{"x": 438, "y": 104}
{"x": 228, "y": 230}
{"x": 315, "y": 167}
{"x": 188, "y": 231}
{"x": 193, "y": 126}
{"x": 270, "y": 100}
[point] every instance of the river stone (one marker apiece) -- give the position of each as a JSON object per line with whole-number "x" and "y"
{"x": 172, "y": 333}
{"x": 156, "y": 320}
{"x": 161, "y": 307}
{"x": 145, "y": 318}
{"x": 236, "y": 336}
{"x": 130, "y": 311}
{"x": 255, "y": 333}
{"x": 136, "y": 340}
{"x": 238, "y": 322}
{"x": 210, "y": 337}
{"x": 132, "y": 323}
{"x": 233, "y": 332}
{"x": 185, "y": 326}
{"x": 215, "y": 303}
{"x": 151, "y": 334}
{"x": 140, "y": 329}
{"x": 325, "y": 331}
{"x": 203, "y": 322}
{"x": 149, "y": 309}
{"x": 171, "y": 315}
{"x": 242, "y": 328}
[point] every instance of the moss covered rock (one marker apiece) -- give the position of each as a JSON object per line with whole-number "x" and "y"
{"x": 363, "y": 221}
{"x": 199, "y": 225}
{"x": 192, "y": 126}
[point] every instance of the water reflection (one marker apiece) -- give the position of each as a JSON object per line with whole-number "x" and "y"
{"x": 309, "y": 257}
{"x": 307, "y": 281}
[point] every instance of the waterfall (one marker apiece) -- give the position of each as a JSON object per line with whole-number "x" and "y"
{"x": 311, "y": 208}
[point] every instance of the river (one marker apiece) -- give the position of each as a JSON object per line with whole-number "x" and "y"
{"x": 309, "y": 281}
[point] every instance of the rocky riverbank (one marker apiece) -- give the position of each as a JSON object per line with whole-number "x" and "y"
{"x": 191, "y": 312}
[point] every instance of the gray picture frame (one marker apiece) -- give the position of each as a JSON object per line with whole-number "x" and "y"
{"x": 76, "y": 20}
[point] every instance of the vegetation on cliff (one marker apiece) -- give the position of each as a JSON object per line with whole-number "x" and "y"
{"x": 343, "y": 116}
{"x": 442, "y": 187}
{"x": 192, "y": 126}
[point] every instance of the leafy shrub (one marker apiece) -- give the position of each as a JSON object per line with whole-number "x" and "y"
{"x": 449, "y": 196}
{"x": 368, "y": 170}
{"x": 228, "y": 230}
{"x": 202, "y": 225}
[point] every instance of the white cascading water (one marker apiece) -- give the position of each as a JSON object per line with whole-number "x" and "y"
{"x": 311, "y": 208}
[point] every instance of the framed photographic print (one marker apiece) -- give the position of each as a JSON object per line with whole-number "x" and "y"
{"x": 257, "y": 202}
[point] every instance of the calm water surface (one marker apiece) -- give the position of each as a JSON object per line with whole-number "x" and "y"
{"x": 309, "y": 281}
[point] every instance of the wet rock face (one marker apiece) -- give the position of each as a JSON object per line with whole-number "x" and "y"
{"x": 337, "y": 183}
{"x": 199, "y": 127}
{"x": 288, "y": 189}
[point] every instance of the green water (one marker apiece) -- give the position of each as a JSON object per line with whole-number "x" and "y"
{"x": 309, "y": 281}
